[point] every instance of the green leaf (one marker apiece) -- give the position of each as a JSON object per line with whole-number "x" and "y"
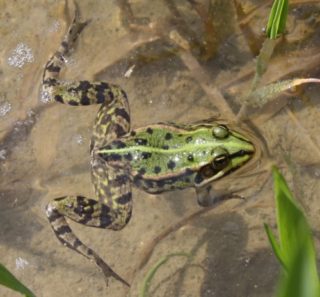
{"x": 302, "y": 279}
{"x": 277, "y": 18}
{"x": 275, "y": 246}
{"x": 8, "y": 280}
{"x": 295, "y": 250}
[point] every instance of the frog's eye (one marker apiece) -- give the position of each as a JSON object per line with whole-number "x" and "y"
{"x": 220, "y": 162}
{"x": 220, "y": 132}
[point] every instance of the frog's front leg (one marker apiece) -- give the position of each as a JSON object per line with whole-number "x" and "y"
{"x": 207, "y": 196}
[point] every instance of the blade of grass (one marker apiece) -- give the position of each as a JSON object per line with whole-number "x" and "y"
{"x": 296, "y": 250}
{"x": 8, "y": 280}
{"x": 275, "y": 246}
{"x": 277, "y": 18}
{"x": 151, "y": 273}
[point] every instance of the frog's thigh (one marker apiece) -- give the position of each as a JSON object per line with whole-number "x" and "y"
{"x": 112, "y": 120}
{"x": 82, "y": 210}
{"x": 113, "y": 189}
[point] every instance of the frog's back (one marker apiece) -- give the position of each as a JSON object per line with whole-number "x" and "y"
{"x": 163, "y": 156}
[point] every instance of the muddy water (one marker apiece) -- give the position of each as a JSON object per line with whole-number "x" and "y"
{"x": 44, "y": 146}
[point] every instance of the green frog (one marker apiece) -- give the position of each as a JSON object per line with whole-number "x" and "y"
{"x": 156, "y": 158}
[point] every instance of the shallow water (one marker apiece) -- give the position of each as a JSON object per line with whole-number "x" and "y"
{"x": 44, "y": 146}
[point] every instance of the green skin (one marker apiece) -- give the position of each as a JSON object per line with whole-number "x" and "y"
{"x": 155, "y": 158}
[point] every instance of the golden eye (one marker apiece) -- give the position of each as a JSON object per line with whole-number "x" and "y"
{"x": 220, "y": 132}
{"x": 207, "y": 171}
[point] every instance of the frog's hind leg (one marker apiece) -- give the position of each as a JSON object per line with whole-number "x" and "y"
{"x": 85, "y": 211}
{"x": 53, "y": 67}
{"x": 74, "y": 92}
{"x": 113, "y": 206}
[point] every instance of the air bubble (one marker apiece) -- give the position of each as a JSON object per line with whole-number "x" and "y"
{"x": 5, "y": 107}
{"x": 20, "y": 55}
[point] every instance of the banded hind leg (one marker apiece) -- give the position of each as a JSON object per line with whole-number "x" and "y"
{"x": 85, "y": 211}
{"x": 74, "y": 92}
{"x": 112, "y": 206}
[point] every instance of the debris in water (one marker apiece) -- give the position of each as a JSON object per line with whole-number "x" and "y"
{"x": 129, "y": 71}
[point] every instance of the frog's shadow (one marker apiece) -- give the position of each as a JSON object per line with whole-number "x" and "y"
{"x": 229, "y": 270}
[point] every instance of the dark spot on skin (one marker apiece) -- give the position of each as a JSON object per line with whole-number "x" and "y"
{"x": 146, "y": 155}
{"x": 165, "y": 147}
{"x": 128, "y": 157}
{"x": 73, "y": 103}
{"x": 148, "y": 183}
{"x": 123, "y": 93}
{"x": 160, "y": 183}
{"x": 198, "y": 179}
{"x": 58, "y": 98}
{"x": 119, "y": 130}
{"x": 142, "y": 171}
{"x": 50, "y": 82}
{"x": 84, "y": 86}
{"x": 105, "y": 119}
{"x": 171, "y": 164}
{"x": 105, "y": 219}
{"x": 120, "y": 180}
{"x": 190, "y": 158}
{"x": 53, "y": 68}
{"x": 85, "y": 219}
{"x": 110, "y": 95}
{"x": 124, "y": 199}
{"x": 188, "y": 139}
{"x": 100, "y": 98}
{"x": 119, "y": 144}
{"x": 157, "y": 169}
{"x": 137, "y": 181}
{"x": 85, "y": 100}
{"x": 101, "y": 87}
{"x": 111, "y": 157}
{"x": 133, "y": 133}
{"x": 122, "y": 113}
{"x": 141, "y": 141}
{"x": 149, "y": 130}
{"x": 188, "y": 172}
{"x": 53, "y": 214}
{"x": 76, "y": 243}
{"x": 168, "y": 136}
{"x": 64, "y": 44}
{"x": 63, "y": 230}
{"x": 128, "y": 216}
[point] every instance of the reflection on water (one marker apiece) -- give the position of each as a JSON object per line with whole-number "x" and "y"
{"x": 189, "y": 60}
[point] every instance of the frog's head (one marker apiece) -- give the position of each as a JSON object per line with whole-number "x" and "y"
{"x": 230, "y": 151}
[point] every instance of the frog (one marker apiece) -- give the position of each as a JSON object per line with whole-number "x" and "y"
{"x": 155, "y": 158}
